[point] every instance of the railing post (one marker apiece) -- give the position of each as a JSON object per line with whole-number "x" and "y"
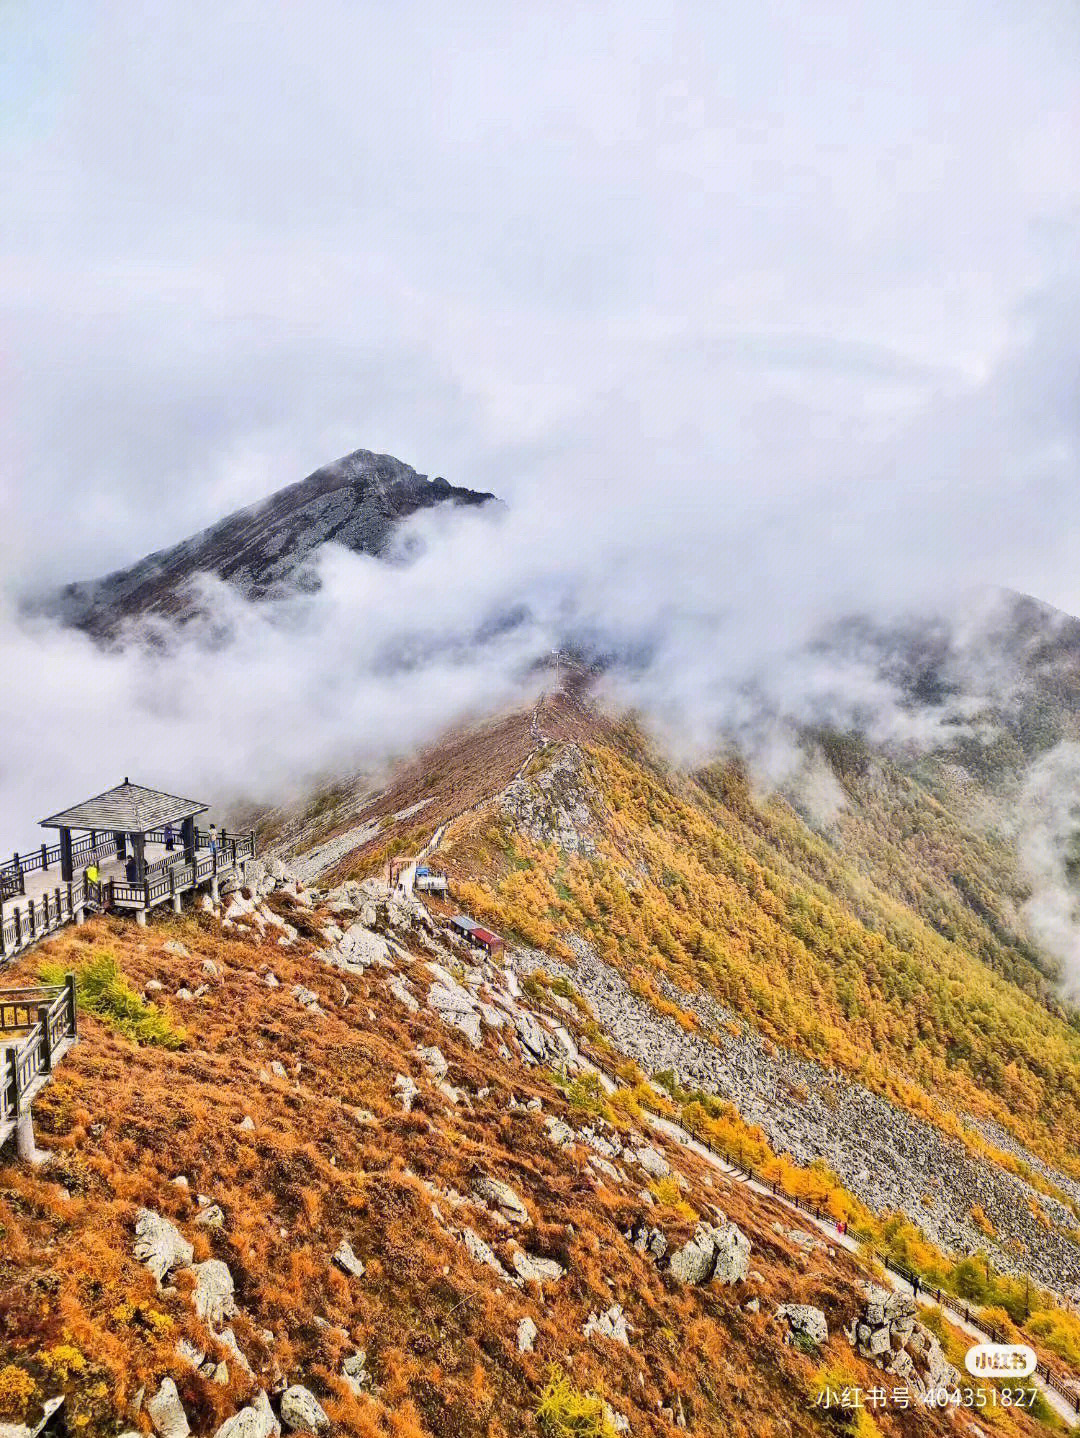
{"x": 73, "y": 1012}
{"x": 18, "y": 930}
{"x": 44, "y": 857}
{"x": 46, "y": 1038}
{"x": 32, "y": 919}
{"x": 59, "y": 906}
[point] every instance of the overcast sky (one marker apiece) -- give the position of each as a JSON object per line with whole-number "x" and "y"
{"x": 650, "y": 256}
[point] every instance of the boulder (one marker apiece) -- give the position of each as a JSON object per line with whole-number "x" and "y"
{"x": 434, "y": 1061}
{"x": 407, "y": 1091}
{"x": 159, "y": 1244}
{"x": 719, "y": 1252}
{"x": 537, "y": 1270}
{"x": 211, "y": 1216}
{"x": 167, "y": 1412}
{"x": 213, "y": 1295}
{"x": 805, "y": 1319}
{"x": 301, "y": 1411}
{"x": 732, "y": 1254}
{"x": 346, "y": 1259}
{"x": 527, "y": 1332}
{"x": 653, "y": 1161}
{"x": 227, "y": 1339}
{"x": 609, "y": 1324}
{"x": 354, "y": 1371}
{"x": 505, "y": 1200}
{"x": 255, "y": 1421}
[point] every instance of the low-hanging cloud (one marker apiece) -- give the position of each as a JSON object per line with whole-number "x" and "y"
{"x": 708, "y": 600}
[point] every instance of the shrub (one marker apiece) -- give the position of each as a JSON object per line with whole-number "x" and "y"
{"x": 568, "y": 1412}
{"x": 104, "y": 992}
{"x": 16, "y": 1390}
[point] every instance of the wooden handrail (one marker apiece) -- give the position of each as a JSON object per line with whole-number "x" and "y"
{"x": 56, "y": 1010}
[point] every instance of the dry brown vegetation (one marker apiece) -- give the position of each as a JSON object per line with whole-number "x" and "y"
{"x": 331, "y": 1155}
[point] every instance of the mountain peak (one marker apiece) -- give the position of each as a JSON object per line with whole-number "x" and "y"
{"x": 266, "y": 549}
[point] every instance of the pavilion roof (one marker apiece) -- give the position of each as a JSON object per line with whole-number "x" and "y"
{"x": 129, "y": 808}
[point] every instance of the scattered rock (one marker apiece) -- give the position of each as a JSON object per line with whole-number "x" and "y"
{"x": 174, "y": 946}
{"x": 167, "y": 1412}
{"x": 346, "y": 1259}
{"x": 301, "y": 1411}
{"x": 506, "y": 1201}
{"x": 213, "y": 1294}
{"x": 527, "y": 1333}
{"x": 211, "y": 1216}
{"x": 159, "y": 1244}
{"x": 805, "y": 1319}
{"x": 610, "y": 1324}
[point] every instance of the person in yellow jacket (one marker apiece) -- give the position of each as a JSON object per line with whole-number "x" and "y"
{"x": 92, "y": 882}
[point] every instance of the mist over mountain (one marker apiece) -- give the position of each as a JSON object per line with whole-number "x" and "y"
{"x": 267, "y": 550}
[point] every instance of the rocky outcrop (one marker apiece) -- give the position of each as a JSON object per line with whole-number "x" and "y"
{"x": 557, "y": 804}
{"x": 887, "y": 1332}
{"x": 717, "y": 1253}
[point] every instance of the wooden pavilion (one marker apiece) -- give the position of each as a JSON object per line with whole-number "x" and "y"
{"x": 145, "y": 848}
{"x": 128, "y": 812}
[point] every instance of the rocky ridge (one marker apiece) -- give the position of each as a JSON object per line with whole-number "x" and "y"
{"x": 267, "y": 550}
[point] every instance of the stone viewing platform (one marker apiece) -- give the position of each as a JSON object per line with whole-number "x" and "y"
{"x": 124, "y": 851}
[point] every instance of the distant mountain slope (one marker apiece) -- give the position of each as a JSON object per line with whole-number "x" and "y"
{"x": 266, "y": 549}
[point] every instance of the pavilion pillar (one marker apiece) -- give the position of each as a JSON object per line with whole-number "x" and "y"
{"x": 138, "y": 844}
{"x": 67, "y": 864}
{"x": 121, "y": 844}
{"x": 187, "y": 838}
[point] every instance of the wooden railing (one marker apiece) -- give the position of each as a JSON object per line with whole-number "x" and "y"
{"x": 13, "y": 873}
{"x": 1069, "y": 1389}
{"x": 40, "y": 916}
{"x": 174, "y": 874}
{"x": 37, "y": 1022}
